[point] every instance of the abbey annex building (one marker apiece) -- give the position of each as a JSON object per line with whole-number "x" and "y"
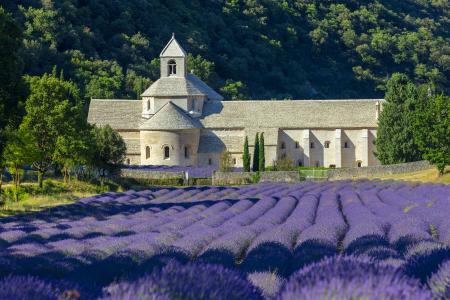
{"x": 182, "y": 121}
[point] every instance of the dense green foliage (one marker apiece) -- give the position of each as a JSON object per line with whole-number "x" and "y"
{"x": 432, "y": 130}
{"x": 11, "y": 88}
{"x": 244, "y": 48}
{"x": 226, "y": 162}
{"x": 414, "y": 124}
{"x": 395, "y": 137}
{"x": 255, "y": 166}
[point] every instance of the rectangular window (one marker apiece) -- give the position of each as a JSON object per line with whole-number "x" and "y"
{"x": 209, "y": 161}
{"x": 312, "y": 145}
{"x": 297, "y": 145}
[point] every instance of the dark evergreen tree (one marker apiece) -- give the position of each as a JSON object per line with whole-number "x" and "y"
{"x": 262, "y": 155}
{"x": 11, "y": 86}
{"x": 256, "y": 154}
{"x": 395, "y": 137}
{"x": 432, "y": 130}
{"x": 246, "y": 156}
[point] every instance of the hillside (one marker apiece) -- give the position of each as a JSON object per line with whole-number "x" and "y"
{"x": 277, "y": 49}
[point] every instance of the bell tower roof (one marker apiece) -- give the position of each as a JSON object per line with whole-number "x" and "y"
{"x": 173, "y": 49}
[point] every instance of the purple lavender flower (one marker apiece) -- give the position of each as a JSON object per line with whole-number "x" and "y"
{"x": 192, "y": 281}
{"x": 439, "y": 283}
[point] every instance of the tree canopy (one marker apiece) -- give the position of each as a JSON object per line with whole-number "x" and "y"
{"x": 248, "y": 49}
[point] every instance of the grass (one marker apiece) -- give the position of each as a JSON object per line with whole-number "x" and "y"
{"x": 54, "y": 193}
{"x": 426, "y": 176}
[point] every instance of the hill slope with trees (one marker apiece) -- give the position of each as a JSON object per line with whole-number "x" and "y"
{"x": 261, "y": 49}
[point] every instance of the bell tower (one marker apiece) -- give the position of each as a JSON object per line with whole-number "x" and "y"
{"x": 173, "y": 60}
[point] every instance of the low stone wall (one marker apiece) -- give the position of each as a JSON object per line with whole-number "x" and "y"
{"x": 280, "y": 176}
{"x": 150, "y": 175}
{"x": 237, "y": 178}
{"x": 232, "y": 178}
{"x": 374, "y": 171}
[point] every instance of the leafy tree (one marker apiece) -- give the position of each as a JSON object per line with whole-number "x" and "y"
{"x": 262, "y": 155}
{"x": 51, "y": 108}
{"x": 233, "y": 90}
{"x": 395, "y": 137}
{"x": 246, "y": 156}
{"x": 202, "y": 68}
{"x": 432, "y": 130}
{"x": 11, "y": 87}
{"x": 109, "y": 151}
{"x": 19, "y": 153}
{"x": 226, "y": 162}
{"x": 256, "y": 154}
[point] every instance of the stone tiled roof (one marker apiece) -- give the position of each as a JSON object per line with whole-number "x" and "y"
{"x": 170, "y": 117}
{"x": 290, "y": 114}
{"x": 119, "y": 114}
{"x": 215, "y": 144}
{"x": 173, "y": 49}
{"x": 190, "y": 85}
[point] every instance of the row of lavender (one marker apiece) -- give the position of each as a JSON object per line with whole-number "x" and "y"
{"x": 266, "y": 231}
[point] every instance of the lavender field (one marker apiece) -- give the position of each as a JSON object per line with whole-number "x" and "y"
{"x": 328, "y": 240}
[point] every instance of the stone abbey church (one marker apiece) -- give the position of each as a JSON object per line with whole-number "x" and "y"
{"x": 182, "y": 121}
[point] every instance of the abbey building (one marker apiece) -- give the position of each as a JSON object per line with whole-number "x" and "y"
{"x": 182, "y": 121}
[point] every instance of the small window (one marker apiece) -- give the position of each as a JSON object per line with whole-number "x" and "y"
{"x": 234, "y": 161}
{"x": 209, "y": 161}
{"x": 148, "y": 105}
{"x": 186, "y": 152}
{"x": 128, "y": 161}
{"x": 327, "y": 144}
{"x": 346, "y": 145}
{"x": 312, "y": 145}
{"x": 147, "y": 152}
{"x": 300, "y": 163}
{"x": 166, "y": 152}
{"x": 172, "y": 65}
{"x": 283, "y": 145}
{"x": 359, "y": 163}
{"x": 297, "y": 145}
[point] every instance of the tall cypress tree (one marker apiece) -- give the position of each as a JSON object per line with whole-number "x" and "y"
{"x": 262, "y": 158}
{"x": 256, "y": 154}
{"x": 246, "y": 156}
{"x": 395, "y": 138}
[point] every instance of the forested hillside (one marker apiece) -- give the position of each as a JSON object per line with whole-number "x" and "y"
{"x": 246, "y": 48}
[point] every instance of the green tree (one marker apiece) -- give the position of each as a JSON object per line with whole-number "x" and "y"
{"x": 109, "y": 151}
{"x": 51, "y": 107}
{"x": 19, "y": 152}
{"x": 11, "y": 87}
{"x": 202, "y": 68}
{"x": 226, "y": 162}
{"x": 262, "y": 155}
{"x": 432, "y": 131}
{"x": 246, "y": 156}
{"x": 233, "y": 90}
{"x": 256, "y": 154}
{"x": 395, "y": 137}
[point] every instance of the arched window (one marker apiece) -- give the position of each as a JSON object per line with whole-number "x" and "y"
{"x": 283, "y": 145}
{"x": 148, "y": 105}
{"x": 359, "y": 163}
{"x": 327, "y": 144}
{"x": 128, "y": 161}
{"x": 300, "y": 163}
{"x": 234, "y": 161}
{"x": 166, "y": 152}
{"x": 147, "y": 152}
{"x": 186, "y": 152}
{"x": 346, "y": 145}
{"x": 297, "y": 145}
{"x": 172, "y": 67}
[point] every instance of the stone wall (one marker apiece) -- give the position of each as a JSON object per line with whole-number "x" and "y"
{"x": 374, "y": 171}
{"x": 232, "y": 178}
{"x": 237, "y": 178}
{"x": 145, "y": 174}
